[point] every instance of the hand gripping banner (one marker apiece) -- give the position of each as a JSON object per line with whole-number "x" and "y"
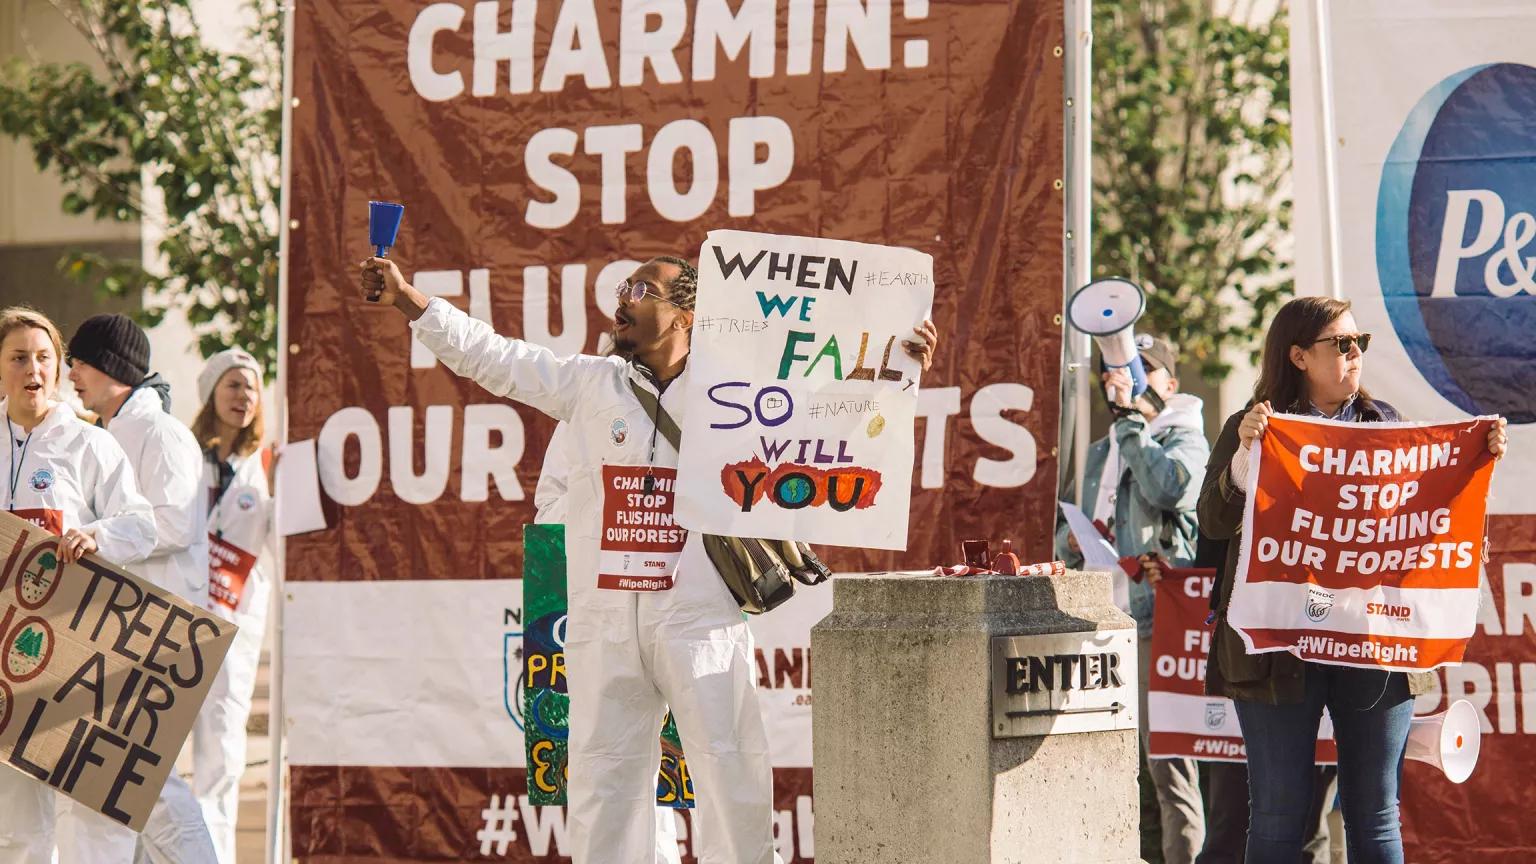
{"x": 1363, "y": 542}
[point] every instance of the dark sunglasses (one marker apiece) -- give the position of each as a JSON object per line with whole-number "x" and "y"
{"x": 637, "y": 290}
{"x": 1345, "y": 344}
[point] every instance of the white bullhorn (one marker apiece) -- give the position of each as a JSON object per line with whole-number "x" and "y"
{"x": 1449, "y": 740}
{"x": 1107, "y": 310}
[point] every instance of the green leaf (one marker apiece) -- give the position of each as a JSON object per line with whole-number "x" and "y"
{"x": 1191, "y": 133}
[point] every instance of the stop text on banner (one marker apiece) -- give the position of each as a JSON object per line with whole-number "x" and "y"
{"x": 759, "y": 150}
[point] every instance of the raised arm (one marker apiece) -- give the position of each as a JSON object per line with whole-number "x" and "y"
{"x": 529, "y": 373}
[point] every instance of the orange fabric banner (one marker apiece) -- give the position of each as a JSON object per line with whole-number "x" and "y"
{"x": 1363, "y": 542}
{"x": 1183, "y": 722}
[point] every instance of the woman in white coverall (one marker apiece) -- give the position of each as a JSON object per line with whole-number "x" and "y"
{"x": 109, "y": 366}
{"x": 631, "y": 652}
{"x": 239, "y": 483}
{"x": 74, "y": 480}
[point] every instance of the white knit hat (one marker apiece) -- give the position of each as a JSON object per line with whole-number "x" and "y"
{"x": 218, "y": 364}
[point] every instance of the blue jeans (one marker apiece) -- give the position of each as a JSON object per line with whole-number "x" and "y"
{"x": 1371, "y": 713}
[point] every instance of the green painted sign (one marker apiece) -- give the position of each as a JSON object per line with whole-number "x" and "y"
{"x": 546, "y": 705}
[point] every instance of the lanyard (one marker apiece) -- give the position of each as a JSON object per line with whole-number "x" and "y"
{"x": 650, "y": 460}
{"x": 224, "y": 473}
{"x": 16, "y": 463}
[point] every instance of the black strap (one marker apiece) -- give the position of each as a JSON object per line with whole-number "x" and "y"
{"x": 225, "y": 473}
{"x": 658, "y": 415}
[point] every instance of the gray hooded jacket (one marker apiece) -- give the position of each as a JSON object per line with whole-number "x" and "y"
{"x": 1159, "y": 465}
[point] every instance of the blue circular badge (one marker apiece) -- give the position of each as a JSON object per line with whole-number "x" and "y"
{"x": 42, "y": 479}
{"x": 1456, "y": 239}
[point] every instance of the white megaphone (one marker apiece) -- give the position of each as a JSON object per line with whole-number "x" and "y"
{"x": 1449, "y": 740}
{"x": 1107, "y": 310}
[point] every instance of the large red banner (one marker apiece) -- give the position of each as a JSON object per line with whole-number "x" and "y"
{"x": 542, "y": 150}
{"x": 1483, "y": 819}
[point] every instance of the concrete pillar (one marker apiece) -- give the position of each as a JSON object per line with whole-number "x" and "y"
{"x": 911, "y": 764}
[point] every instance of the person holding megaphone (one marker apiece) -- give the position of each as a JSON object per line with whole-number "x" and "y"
{"x": 1314, "y": 355}
{"x": 1140, "y": 481}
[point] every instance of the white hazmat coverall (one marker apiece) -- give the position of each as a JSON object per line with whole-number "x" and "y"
{"x": 549, "y": 509}
{"x": 240, "y": 588}
{"x": 633, "y": 653}
{"x": 66, "y": 474}
{"x": 169, "y": 467}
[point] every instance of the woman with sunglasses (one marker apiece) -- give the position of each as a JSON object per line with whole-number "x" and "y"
{"x": 1313, "y": 357}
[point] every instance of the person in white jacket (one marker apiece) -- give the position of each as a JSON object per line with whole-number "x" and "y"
{"x": 681, "y": 640}
{"x": 74, "y": 480}
{"x": 109, "y": 367}
{"x": 549, "y": 509}
{"x": 238, "y": 480}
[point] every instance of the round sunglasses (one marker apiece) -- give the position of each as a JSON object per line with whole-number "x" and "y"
{"x": 1346, "y": 343}
{"x": 636, "y": 290}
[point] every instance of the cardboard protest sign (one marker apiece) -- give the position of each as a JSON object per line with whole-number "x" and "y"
{"x": 1182, "y": 721}
{"x": 546, "y": 705}
{"x": 801, "y": 400}
{"x": 101, "y": 674}
{"x": 1363, "y": 542}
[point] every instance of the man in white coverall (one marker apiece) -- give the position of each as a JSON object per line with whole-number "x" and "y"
{"x": 109, "y": 367}
{"x": 549, "y": 509}
{"x": 682, "y": 642}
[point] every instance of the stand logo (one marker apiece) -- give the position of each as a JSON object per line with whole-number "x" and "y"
{"x": 1456, "y": 239}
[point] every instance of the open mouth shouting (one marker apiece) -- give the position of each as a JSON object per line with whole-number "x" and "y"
{"x": 622, "y": 321}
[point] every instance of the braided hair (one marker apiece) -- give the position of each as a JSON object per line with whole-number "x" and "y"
{"x": 685, "y": 288}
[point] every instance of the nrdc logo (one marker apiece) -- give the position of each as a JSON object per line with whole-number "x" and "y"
{"x": 1456, "y": 239}
{"x": 1319, "y": 604}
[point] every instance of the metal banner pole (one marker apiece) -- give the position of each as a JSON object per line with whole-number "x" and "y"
{"x": 1330, "y": 140}
{"x": 277, "y": 790}
{"x": 1078, "y": 347}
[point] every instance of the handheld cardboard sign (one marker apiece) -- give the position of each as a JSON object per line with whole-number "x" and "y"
{"x": 101, "y": 674}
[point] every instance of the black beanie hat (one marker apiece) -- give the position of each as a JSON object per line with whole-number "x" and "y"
{"x": 113, "y": 344}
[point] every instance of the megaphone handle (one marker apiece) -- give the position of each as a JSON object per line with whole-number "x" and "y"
{"x": 382, "y": 251}
{"x": 1138, "y": 376}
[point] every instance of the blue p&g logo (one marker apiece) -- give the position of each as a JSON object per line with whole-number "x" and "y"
{"x": 1456, "y": 239}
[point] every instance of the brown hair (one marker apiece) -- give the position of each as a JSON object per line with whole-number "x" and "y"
{"x": 206, "y": 427}
{"x": 1297, "y": 323}
{"x": 17, "y": 317}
